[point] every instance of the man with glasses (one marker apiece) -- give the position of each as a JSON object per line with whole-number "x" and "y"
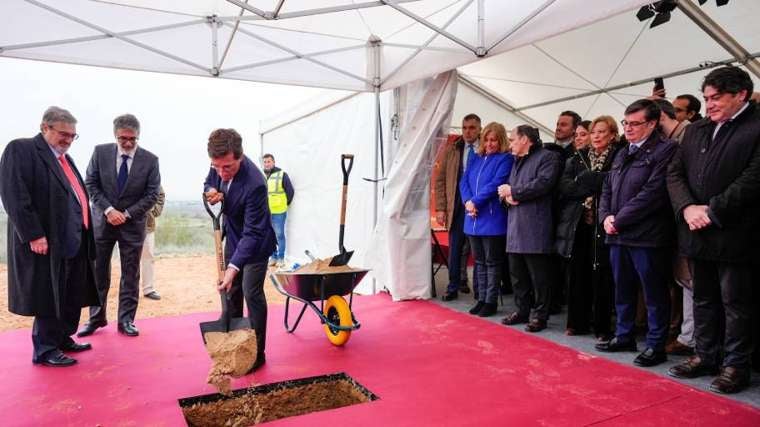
{"x": 234, "y": 179}
{"x": 123, "y": 181}
{"x": 639, "y": 229}
{"x": 50, "y": 242}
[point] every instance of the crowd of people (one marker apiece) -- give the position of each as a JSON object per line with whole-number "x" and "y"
{"x": 654, "y": 229}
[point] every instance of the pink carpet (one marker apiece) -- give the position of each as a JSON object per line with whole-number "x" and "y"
{"x": 429, "y": 366}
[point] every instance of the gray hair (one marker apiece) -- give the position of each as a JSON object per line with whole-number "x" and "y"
{"x": 57, "y": 114}
{"x": 126, "y": 121}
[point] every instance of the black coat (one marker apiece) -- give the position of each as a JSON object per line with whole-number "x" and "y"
{"x": 635, "y": 193}
{"x": 725, "y": 175}
{"x": 530, "y": 224}
{"x": 41, "y": 203}
{"x": 576, "y": 184}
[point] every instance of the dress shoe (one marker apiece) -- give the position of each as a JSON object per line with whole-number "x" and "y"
{"x": 679, "y": 349}
{"x": 72, "y": 346}
{"x": 449, "y": 296}
{"x": 513, "y": 319}
{"x": 731, "y": 380}
{"x": 692, "y": 367}
{"x": 153, "y": 295}
{"x": 477, "y": 307}
{"x": 464, "y": 289}
{"x": 615, "y": 345}
{"x": 55, "y": 359}
{"x": 128, "y": 329}
{"x": 261, "y": 359}
{"x": 535, "y": 325}
{"x": 90, "y": 328}
{"x": 488, "y": 310}
{"x": 650, "y": 357}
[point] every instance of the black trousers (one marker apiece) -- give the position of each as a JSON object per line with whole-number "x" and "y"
{"x": 603, "y": 286}
{"x": 249, "y": 285}
{"x": 723, "y": 307}
{"x": 489, "y": 259}
{"x": 49, "y": 333}
{"x": 580, "y": 289}
{"x": 531, "y": 281}
{"x": 130, "y": 252}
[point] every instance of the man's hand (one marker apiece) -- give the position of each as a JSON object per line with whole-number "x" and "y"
{"x": 657, "y": 94}
{"x": 213, "y": 196}
{"x": 440, "y": 217}
{"x": 510, "y": 201}
{"x": 469, "y": 206}
{"x": 229, "y": 276}
{"x": 505, "y": 190}
{"x": 696, "y": 216}
{"x": 39, "y": 246}
{"x": 115, "y": 217}
{"x": 609, "y": 225}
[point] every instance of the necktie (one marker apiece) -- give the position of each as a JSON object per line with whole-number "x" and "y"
{"x": 721, "y": 133}
{"x": 470, "y": 155}
{"x": 81, "y": 195}
{"x": 632, "y": 149}
{"x": 121, "y": 179}
{"x": 225, "y": 186}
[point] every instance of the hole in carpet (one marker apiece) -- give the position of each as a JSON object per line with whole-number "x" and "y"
{"x": 274, "y": 401}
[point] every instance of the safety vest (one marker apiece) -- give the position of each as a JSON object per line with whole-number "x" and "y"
{"x": 278, "y": 200}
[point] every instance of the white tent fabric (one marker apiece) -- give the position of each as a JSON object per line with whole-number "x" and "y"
{"x": 399, "y": 252}
{"x": 305, "y": 42}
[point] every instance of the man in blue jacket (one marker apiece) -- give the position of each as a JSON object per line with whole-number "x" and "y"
{"x": 636, "y": 215}
{"x": 247, "y": 226}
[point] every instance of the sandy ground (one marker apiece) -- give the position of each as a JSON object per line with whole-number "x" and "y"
{"x": 185, "y": 284}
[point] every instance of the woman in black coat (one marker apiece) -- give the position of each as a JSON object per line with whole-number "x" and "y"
{"x": 580, "y": 238}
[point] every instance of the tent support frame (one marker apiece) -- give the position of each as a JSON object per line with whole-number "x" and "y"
{"x": 260, "y": 14}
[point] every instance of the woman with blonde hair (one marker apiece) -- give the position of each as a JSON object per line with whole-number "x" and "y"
{"x": 486, "y": 221}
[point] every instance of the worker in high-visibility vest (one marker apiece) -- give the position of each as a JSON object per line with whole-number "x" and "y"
{"x": 280, "y": 194}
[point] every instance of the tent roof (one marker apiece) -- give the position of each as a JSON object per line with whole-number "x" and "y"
{"x": 321, "y": 43}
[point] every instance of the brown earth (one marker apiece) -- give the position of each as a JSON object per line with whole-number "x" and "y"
{"x": 184, "y": 282}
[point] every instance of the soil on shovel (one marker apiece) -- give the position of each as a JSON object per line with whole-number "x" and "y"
{"x": 232, "y": 354}
{"x": 250, "y": 409}
{"x": 323, "y": 266}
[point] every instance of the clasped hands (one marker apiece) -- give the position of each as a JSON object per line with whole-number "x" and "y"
{"x": 115, "y": 217}
{"x": 213, "y": 196}
{"x": 505, "y": 194}
{"x": 696, "y": 217}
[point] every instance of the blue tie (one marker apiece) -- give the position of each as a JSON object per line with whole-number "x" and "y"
{"x": 632, "y": 149}
{"x": 121, "y": 179}
{"x": 470, "y": 155}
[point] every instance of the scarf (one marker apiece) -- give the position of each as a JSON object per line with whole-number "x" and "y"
{"x": 597, "y": 163}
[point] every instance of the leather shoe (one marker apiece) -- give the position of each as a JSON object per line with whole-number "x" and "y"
{"x": 731, "y": 380}
{"x": 261, "y": 359}
{"x": 650, "y": 357}
{"x": 692, "y": 367}
{"x": 55, "y": 359}
{"x": 153, "y": 295}
{"x": 128, "y": 329}
{"x": 615, "y": 345}
{"x": 90, "y": 328}
{"x": 464, "y": 289}
{"x": 488, "y": 310}
{"x": 679, "y": 349}
{"x": 449, "y": 296}
{"x": 75, "y": 347}
{"x": 477, "y": 307}
{"x": 535, "y": 325}
{"x": 513, "y": 319}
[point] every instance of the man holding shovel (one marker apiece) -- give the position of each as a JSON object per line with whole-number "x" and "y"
{"x": 234, "y": 178}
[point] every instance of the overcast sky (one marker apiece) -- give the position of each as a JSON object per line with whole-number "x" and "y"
{"x": 176, "y": 113}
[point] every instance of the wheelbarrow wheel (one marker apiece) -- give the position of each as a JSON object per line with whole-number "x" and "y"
{"x": 338, "y": 313}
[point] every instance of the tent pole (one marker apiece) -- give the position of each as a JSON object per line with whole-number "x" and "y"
{"x": 481, "y": 49}
{"x": 717, "y": 33}
{"x": 425, "y": 22}
{"x": 260, "y": 14}
{"x": 261, "y": 149}
{"x": 214, "y": 44}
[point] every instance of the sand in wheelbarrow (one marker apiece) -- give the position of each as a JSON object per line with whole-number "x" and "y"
{"x": 323, "y": 266}
{"x": 232, "y": 354}
{"x": 250, "y": 409}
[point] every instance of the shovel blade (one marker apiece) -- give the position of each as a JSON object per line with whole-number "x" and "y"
{"x": 341, "y": 259}
{"x": 236, "y": 323}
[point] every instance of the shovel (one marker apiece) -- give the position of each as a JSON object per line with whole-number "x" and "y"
{"x": 226, "y": 323}
{"x": 343, "y": 257}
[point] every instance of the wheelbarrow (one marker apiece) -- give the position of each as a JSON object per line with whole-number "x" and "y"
{"x": 327, "y": 288}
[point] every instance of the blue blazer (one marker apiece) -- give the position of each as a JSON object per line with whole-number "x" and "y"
{"x": 247, "y": 222}
{"x": 479, "y": 184}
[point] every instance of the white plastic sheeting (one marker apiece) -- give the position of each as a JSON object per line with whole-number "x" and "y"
{"x": 400, "y": 250}
{"x": 309, "y": 151}
{"x": 312, "y": 42}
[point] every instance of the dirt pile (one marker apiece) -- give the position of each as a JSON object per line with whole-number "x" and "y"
{"x": 323, "y": 266}
{"x": 232, "y": 355}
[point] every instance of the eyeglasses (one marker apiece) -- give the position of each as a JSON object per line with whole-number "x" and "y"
{"x": 127, "y": 138}
{"x": 71, "y": 136}
{"x": 626, "y": 123}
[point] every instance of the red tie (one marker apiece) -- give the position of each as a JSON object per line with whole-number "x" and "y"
{"x": 77, "y": 189}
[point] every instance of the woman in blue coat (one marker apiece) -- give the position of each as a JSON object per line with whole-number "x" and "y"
{"x": 486, "y": 221}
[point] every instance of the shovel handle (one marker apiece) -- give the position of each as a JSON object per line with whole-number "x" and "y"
{"x": 219, "y": 258}
{"x": 344, "y": 196}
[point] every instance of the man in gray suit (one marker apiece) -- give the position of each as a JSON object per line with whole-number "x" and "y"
{"x": 123, "y": 181}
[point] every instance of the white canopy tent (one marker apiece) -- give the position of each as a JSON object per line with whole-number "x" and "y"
{"x": 519, "y": 61}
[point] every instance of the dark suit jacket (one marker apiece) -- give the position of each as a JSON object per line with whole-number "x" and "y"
{"x": 725, "y": 175}
{"x": 635, "y": 193}
{"x": 247, "y": 221}
{"x": 139, "y": 195}
{"x": 41, "y": 203}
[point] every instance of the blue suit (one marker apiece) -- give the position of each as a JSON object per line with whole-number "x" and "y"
{"x": 250, "y": 241}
